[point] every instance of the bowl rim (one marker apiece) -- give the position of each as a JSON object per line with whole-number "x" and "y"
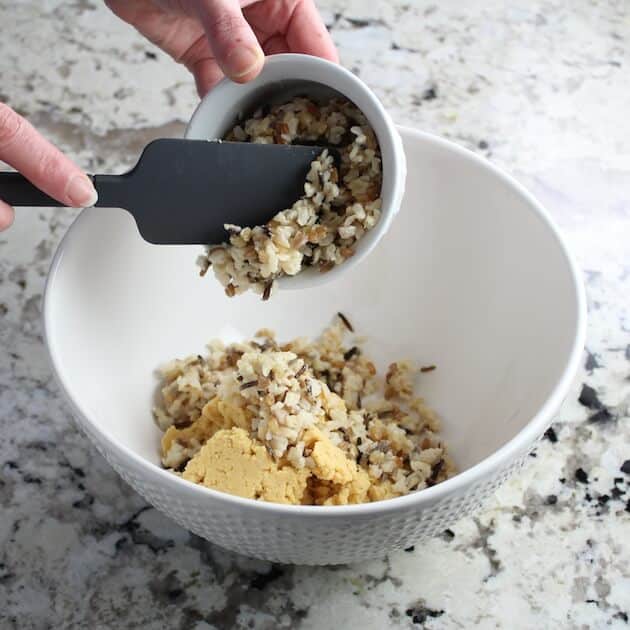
{"x": 497, "y": 460}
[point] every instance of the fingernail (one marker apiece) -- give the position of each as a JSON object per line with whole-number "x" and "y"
{"x": 243, "y": 61}
{"x": 81, "y": 192}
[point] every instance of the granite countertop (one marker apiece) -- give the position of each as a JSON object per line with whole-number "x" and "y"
{"x": 542, "y": 90}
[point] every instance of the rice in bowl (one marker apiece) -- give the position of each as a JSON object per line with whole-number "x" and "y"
{"x": 341, "y": 202}
{"x": 303, "y": 422}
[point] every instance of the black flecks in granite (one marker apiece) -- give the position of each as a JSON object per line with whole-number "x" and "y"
{"x": 261, "y": 580}
{"x": 150, "y": 55}
{"x": 616, "y": 493}
{"x": 625, "y": 467}
{"x": 31, "y": 479}
{"x": 482, "y": 144}
{"x": 420, "y": 613}
{"x": 15, "y": 528}
{"x": 190, "y": 619}
{"x": 410, "y": 549}
{"x": 621, "y": 615}
{"x": 140, "y": 536}
{"x": 373, "y": 581}
{"x": 168, "y": 589}
{"x": 592, "y": 362}
{"x": 360, "y": 23}
{"x": 551, "y": 499}
{"x": 448, "y": 534}
{"x": 5, "y": 574}
{"x": 83, "y": 503}
{"x": 407, "y": 49}
{"x": 299, "y": 613}
{"x": 482, "y": 543}
{"x": 357, "y": 23}
{"x": 603, "y": 415}
{"x": 430, "y": 94}
{"x": 39, "y": 445}
{"x": 4, "y": 309}
{"x": 551, "y": 435}
{"x": 588, "y": 397}
{"x": 240, "y": 595}
{"x": 75, "y": 472}
{"x": 581, "y": 475}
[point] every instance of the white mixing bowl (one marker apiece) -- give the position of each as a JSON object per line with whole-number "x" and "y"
{"x": 472, "y": 276}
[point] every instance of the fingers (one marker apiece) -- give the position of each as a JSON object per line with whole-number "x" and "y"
{"x": 227, "y": 44}
{"x": 41, "y": 163}
{"x": 6, "y": 215}
{"x": 307, "y": 33}
{"x": 232, "y": 41}
{"x": 207, "y": 74}
{"x": 175, "y": 33}
{"x": 276, "y": 45}
{"x": 175, "y": 28}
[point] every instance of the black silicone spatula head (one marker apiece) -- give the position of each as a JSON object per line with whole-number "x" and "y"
{"x": 184, "y": 191}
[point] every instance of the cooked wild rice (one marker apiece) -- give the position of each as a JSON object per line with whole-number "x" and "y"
{"x": 339, "y": 205}
{"x": 279, "y": 392}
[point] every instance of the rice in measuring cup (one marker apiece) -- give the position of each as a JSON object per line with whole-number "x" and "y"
{"x": 340, "y": 202}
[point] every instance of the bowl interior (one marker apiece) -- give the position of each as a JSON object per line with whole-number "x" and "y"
{"x": 470, "y": 277}
{"x": 237, "y": 101}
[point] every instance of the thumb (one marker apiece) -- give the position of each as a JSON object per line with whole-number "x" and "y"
{"x": 41, "y": 163}
{"x": 231, "y": 39}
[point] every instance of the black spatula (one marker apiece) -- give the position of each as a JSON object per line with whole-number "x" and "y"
{"x": 183, "y": 191}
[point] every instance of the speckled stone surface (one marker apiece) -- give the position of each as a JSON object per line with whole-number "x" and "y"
{"x": 542, "y": 89}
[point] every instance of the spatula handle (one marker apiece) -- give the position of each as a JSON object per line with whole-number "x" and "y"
{"x": 114, "y": 191}
{"x": 16, "y": 190}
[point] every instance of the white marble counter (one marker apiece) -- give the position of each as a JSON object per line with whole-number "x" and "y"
{"x": 539, "y": 86}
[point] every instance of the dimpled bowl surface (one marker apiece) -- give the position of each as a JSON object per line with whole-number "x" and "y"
{"x": 472, "y": 277}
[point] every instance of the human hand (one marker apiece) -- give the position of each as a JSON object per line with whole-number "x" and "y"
{"x": 23, "y": 148}
{"x": 216, "y": 38}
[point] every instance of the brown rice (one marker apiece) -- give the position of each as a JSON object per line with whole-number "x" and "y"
{"x": 338, "y": 207}
{"x": 298, "y": 399}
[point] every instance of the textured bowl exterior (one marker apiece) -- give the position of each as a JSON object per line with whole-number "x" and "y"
{"x": 306, "y": 538}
